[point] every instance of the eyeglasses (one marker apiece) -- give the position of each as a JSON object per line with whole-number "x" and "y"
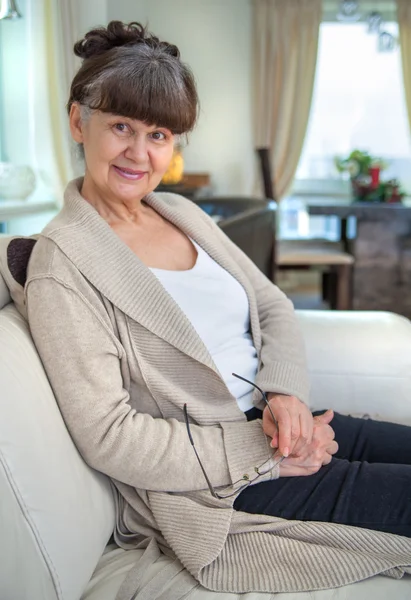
{"x": 246, "y": 480}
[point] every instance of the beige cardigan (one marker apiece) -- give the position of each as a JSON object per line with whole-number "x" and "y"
{"x": 122, "y": 359}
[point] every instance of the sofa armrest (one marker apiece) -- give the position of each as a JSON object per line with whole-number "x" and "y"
{"x": 360, "y": 362}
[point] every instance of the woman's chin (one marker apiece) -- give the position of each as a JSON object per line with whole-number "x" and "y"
{"x": 131, "y": 190}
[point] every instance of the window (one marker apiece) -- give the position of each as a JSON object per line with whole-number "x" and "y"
{"x": 358, "y": 102}
{"x": 25, "y": 131}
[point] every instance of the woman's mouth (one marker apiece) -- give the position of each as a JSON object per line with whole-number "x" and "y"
{"x": 129, "y": 174}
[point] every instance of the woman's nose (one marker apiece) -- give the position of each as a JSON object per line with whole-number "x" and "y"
{"x": 137, "y": 149}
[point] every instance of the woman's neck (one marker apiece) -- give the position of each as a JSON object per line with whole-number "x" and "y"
{"x": 113, "y": 209}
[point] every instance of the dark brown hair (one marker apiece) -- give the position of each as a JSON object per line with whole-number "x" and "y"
{"x": 128, "y": 71}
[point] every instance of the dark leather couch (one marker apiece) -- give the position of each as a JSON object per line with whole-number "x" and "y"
{"x": 250, "y": 224}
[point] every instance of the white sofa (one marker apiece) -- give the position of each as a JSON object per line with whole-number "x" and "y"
{"x": 57, "y": 514}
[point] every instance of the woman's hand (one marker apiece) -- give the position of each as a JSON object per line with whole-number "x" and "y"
{"x": 295, "y": 424}
{"x": 316, "y": 454}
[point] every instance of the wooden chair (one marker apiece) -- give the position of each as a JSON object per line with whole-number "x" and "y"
{"x": 335, "y": 264}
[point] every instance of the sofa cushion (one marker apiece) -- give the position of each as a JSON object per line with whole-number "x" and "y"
{"x": 14, "y": 258}
{"x": 359, "y": 362}
{"x": 56, "y": 514}
{"x": 115, "y": 564}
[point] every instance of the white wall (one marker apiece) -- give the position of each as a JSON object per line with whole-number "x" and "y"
{"x": 91, "y": 13}
{"x": 214, "y": 37}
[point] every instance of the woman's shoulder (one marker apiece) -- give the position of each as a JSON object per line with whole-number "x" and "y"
{"x": 27, "y": 258}
{"x": 47, "y": 259}
{"x": 22, "y": 257}
{"x": 48, "y": 262}
{"x": 52, "y": 272}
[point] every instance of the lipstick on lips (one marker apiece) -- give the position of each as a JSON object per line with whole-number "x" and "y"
{"x": 129, "y": 174}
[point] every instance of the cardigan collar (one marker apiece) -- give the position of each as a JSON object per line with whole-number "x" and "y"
{"x": 115, "y": 270}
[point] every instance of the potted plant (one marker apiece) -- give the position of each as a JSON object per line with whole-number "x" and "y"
{"x": 365, "y": 172}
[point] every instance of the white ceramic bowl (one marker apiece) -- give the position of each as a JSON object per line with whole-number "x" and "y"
{"x": 17, "y": 182}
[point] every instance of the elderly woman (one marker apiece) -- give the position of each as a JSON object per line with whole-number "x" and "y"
{"x": 141, "y": 310}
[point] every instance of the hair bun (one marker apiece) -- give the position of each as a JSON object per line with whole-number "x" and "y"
{"x": 102, "y": 39}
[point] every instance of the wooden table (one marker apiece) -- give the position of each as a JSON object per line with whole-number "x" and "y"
{"x": 193, "y": 186}
{"x": 382, "y": 251}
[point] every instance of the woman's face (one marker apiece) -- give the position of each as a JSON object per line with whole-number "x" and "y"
{"x": 125, "y": 159}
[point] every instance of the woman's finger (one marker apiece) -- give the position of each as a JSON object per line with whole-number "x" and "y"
{"x": 306, "y": 431}
{"x": 308, "y": 426}
{"x": 274, "y": 442}
{"x": 332, "y": 448}
{"x": 284, "y": 431}
{"x": 269, "y": 427}
{"x": 295, "y": 432}
{"x": 326, "y": 417}
{"x": 302, "y": 441}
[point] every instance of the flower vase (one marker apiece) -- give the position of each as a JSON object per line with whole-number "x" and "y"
{"x": 374, "y": 173}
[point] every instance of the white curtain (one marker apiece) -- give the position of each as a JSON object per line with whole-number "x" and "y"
{"x": 52, "y": 28}
{"x": 404, "y": 22}
{"x": 62, "y": 30}
{"x": 285, "y": 41}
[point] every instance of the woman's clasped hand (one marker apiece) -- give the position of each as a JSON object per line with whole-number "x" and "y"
{"x": 306, "y": 442}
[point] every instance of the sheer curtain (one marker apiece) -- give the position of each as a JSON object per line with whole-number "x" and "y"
{"x": 37, "y": 64}
{"x": 62, "y": 30}
{"x": 404, "y": 23}
{"x": 44, "y": 38}
{"x": 285, "y": 42}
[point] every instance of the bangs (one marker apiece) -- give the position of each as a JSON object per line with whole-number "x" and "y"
{"x": 152, "y": 92}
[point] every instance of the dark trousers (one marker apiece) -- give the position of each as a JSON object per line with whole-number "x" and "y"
{"x": 367, "y": 484}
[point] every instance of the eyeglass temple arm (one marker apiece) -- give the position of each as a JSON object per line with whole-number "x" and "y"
{"x": 264, "y": 395}
{"x": 210, "y": 487}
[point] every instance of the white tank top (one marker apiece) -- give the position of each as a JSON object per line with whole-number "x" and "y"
{"x": 217, "y": 306}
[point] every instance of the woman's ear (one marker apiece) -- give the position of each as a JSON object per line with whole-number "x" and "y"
{"x": 76, "y": 123}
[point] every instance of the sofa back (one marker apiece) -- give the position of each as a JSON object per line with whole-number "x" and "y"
{"x": 56, "y": 514}
{"x": 5, "y": 297}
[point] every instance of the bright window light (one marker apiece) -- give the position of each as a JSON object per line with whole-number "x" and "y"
{"x": 358, "y": 102}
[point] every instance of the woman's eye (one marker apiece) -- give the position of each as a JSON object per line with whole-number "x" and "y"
{"x": 121, "y": 128}
{"x": 158, "y": 136}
